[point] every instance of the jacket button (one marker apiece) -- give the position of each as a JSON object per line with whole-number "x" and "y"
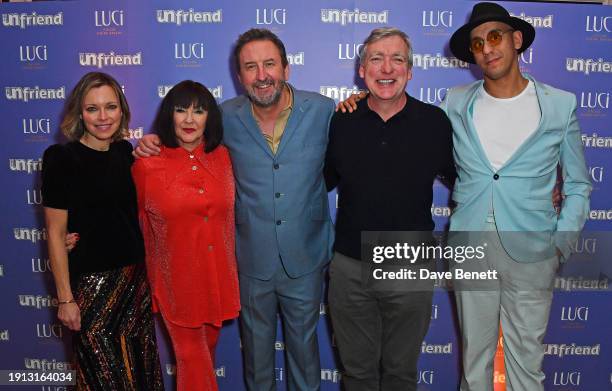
{"x": 277, "y": 195}
{"x": 496, "y": 177}
{"x": 278, "y": 222}
{"x": 276, "y": 166}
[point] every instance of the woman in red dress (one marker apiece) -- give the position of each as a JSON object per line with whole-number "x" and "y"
{"x": 186, "y": 211}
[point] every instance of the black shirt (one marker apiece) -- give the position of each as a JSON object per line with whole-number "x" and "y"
{"x": 385, "y": 171}
{"x": 97, "y": 190}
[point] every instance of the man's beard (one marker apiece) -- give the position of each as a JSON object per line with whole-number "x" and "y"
{"x": 267, "y": 101}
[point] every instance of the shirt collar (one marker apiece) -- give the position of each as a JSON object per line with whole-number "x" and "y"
{"x": 182, "y": 153}
{"x": 408, "y": 111}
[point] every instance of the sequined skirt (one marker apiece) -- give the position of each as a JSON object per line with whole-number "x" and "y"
{"x": 116, "y": 348}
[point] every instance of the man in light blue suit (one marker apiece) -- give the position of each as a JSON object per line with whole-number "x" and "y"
{"x": 510, "y": 133}
{"x": 277, "y": 137}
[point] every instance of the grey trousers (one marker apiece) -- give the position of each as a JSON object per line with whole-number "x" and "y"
{"x": 378, "y": 332}
{"x": 520, "y": 299}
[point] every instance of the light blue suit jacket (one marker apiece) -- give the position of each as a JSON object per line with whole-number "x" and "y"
{"x": 282, "y": 207}
{"x": 520, "y": 192}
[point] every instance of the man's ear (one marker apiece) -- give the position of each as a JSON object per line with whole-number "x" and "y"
{"x": 517, "y": 39}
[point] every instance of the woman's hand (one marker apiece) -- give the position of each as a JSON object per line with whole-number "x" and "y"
{"x": 58, "y": 243}
{"x": 70, "y": 316}
{"x": 350, "y": 104}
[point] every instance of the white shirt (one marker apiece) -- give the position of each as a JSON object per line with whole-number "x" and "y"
{"x": 503, "y": 124}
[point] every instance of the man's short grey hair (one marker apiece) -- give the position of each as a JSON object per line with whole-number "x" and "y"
{"x": 385, "y": 32}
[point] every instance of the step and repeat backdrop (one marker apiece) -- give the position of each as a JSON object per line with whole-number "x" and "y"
{"x": 151, "y": 45}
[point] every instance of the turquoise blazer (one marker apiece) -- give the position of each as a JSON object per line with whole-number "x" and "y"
{"x": 520, "y": 192}
{"x": 282, "y": 209}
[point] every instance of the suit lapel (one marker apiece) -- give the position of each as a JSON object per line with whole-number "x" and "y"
{"x": 297, "y": 113}
{"x": 250, "y": 126}
{"x": 468, "y": 122}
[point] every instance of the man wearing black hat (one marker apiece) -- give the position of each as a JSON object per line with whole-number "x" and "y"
{"x": 509, "y": 134}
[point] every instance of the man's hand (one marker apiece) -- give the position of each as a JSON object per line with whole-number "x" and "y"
{"x": 71, "y": 241}
{"x": 557, "y": 194}
{"x": 557, "y": 198}
{"x": 350, "y": 104}
{"x": 147, "y": 146}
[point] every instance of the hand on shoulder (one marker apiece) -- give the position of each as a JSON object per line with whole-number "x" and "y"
{"x": 350, "y": 103}
{"x": 148, "y": 145}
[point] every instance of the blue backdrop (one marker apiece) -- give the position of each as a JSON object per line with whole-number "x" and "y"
{"x": 148, "y": 46}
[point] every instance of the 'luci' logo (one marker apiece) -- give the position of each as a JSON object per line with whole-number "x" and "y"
{"x": 432, "y": 95}
{"x": 566, "y": 378}
{"x": 596, "y": 173}
{"x": 109, "y": 18}
{"x": 574, "y": 314}
{"x": 526, "y": 57}
{"x": 348, "y": 51}
{"x": 437, "y": 18}
{"x": 598, "y": 24}
{"x": 40, "y": 265}
{"x": 36, "y": 125}
{"x": 592, "y": 100}
{"x": 189, "y": 51}
{"x": 53, "y": 330}
{"x": 29, "y": 53}
{"x": 271, "y": 16}
{"x": 425, "y": 377}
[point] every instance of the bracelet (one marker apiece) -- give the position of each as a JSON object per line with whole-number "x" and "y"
{"x": 66, "y": 302}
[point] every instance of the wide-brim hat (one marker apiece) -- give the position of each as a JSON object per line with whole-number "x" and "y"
{"x": 482, "y": 13}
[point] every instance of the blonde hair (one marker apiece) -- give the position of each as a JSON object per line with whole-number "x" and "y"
{"x": 72, "y": 123}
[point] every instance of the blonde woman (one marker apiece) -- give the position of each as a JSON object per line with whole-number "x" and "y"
{"x": 101, "y": 284}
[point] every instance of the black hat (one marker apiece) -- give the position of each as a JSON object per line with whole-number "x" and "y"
{"x": 482, "y": 13}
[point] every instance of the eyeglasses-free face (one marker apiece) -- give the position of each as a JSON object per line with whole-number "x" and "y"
{"x": 494, "y": 38}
